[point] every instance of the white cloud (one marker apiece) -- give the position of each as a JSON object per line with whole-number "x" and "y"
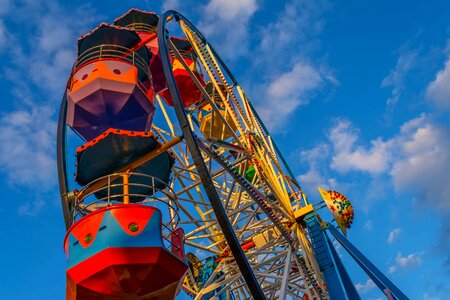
{"x": 318, "y": 153}
{"x": 406, "y": 262}
{"x": 438, "y": 91}
{"x": 53, "y": 33}
{"x": 44, "y": 35}
{"x": 368, "y": 225}
{"x": 350, "y": 157}
{"x": 423, "y": 162}
{"x": 289, "y": 78}
{"x": 226, "y": 24}
{"x": 396, "y": 78}
{"x": 49, "y": 42}
{"x": 230, "y": 10}
{"x": 416, "y": 159}
{"x": 427, "y": 296}
{"x": 302, "y": 78}
{"x": 3, "y": 34}
{"x": 5, "y": 6}
{"x": 313, "y": 179}
{"x": 298, "y": 24}
{"x": 412, "y": 260}
{"x": 289, "y": 91}
{"x": 27, "y": 154}
{"x": 176, "y": 5}
{"x": 443, "y": 247}
{"x": 31, "y": 209}
{"x": 365, "y": 287}
{"x": 393, "y": 235}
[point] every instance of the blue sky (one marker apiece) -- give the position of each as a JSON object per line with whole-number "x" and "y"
{"x": 356, "y": 93}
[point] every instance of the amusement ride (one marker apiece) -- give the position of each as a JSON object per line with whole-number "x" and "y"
{"x": 177, "y": 185}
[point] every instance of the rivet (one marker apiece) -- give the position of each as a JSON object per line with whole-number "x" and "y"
{"x": 88, "y": 238}
{"x": 133, "y": 227}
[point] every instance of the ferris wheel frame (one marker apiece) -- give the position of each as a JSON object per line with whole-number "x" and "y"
{"x": 195, "y": 147}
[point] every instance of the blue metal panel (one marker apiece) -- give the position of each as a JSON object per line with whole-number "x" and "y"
{"x": 324, "y": 258}
{"x": 373, "y": 272}
{"x": 348, "y": 284}
{"x": 112, "y": 235}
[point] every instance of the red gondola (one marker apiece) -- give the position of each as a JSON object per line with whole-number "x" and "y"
{"x": 189, "y": 92}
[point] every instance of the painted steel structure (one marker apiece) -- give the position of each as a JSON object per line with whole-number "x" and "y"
{"x": 195, "y": 158}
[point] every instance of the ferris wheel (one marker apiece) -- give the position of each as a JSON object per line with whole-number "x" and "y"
{"x": 178, "y": 184}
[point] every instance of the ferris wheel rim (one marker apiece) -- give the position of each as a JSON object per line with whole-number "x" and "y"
{"x": 61, "y": 160}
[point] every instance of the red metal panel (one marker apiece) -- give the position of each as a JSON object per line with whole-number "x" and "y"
{"x": 177, "y": 240}
{"x": 86, "y": 229}
{"x": 133, "y": 215}
{"x": 126, "y": 271}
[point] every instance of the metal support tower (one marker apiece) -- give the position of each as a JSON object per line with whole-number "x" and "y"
{"x": 383, "y": 283}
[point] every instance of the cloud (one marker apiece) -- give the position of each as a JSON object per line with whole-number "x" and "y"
{"x": 289, "y": 77}
{"x": 427, "y": 296}
{"x": 350, "y": 157}
{"x": 393, "y": 235}
{"x": 48, "y": 40}
{"x": 289, "y": 91}
{"x": 406, "y": 262}
{"x": 44, "y": 36}
{"x": 171, "y": 4}
{"x": 443, "y": 250}
{"x": 412, "y": 260}
{"x": 53, "y": 33}
{"x": 226, "y": 23}
{"x": 396, "y": 78}
{"x": 31, "y": 209}
{"x": 416, "y": 159}
{"x": 299, "y": 23}
{"x": 365, "y": 287}
{"x": 438, "y": 91}
{"x": 3, "y": 34}
{"x": 230, "y": 10}
{"x": 5, "y": 7}
{"x": 316, "y": 154}
{"x": 27, "y": 153}
{"x": 423, "y": 162}
{"x": 368, "y": 225}
{"x": 414, "y": 162}
{"x": 313, "y": 178}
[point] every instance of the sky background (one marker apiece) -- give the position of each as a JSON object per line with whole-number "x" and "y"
{"x": 356, "y": 94}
